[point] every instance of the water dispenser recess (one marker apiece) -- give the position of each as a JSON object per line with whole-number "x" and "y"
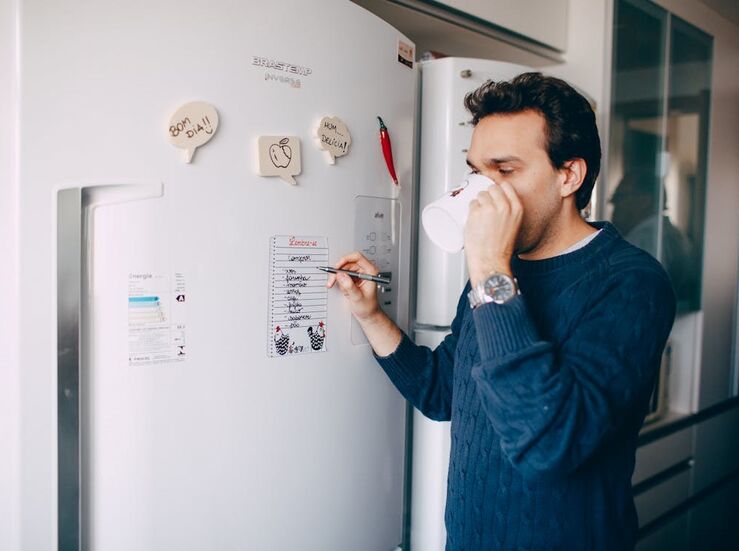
{"x": 377, "y": 236}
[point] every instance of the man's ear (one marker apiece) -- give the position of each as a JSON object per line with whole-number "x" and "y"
{"x": 573, "y": 172}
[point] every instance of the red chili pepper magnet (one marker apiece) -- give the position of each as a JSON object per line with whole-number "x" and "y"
{"x": 387, "y": 150}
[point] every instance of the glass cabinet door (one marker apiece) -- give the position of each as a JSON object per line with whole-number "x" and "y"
{"x": 658, "y": 139}
{"x": 637, "y": 133}
{"x": 688, "y": 111}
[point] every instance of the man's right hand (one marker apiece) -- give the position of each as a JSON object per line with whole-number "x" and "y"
{"x": 382, "y": 333}
{"x": 361, "y": 294}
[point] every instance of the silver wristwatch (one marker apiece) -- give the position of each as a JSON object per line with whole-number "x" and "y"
{"x": 498, "y": 288}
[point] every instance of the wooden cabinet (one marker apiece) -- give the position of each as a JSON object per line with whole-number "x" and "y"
{"x": 673, "y": 536}
{"x": 716, "y": 449}
{"x": 662, "y": 475}
{"x": 686, "y": 484}
{"x": 713, "y": 520}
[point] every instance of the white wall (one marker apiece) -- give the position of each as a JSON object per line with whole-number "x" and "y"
{"x": 548, "y": 27}
{"x": 9, "y": 367}
{"x": 587, "y": 43}
{"x": 585, "y": 60}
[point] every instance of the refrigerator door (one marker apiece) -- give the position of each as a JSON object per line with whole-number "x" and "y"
{"x": 193, "y": 436}
{"x": 446, "y": 131}
{"x": 431, "y": 445}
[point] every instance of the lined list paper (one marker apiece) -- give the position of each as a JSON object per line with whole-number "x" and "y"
{"x": 297, "y": 296}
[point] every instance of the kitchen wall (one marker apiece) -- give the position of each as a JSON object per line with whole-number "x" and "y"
{"x": 586, "y": 61}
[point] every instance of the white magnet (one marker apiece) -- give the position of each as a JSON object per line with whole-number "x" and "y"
{"x": 192, "y": 125}
{"x": 279, "y": 156}
{"x": 334, "y": 137}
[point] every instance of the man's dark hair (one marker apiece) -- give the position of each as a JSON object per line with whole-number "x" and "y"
{"x": 570, "y": 132}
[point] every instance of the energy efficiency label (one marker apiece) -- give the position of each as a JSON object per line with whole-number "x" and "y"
{"x": 156, "y": 318}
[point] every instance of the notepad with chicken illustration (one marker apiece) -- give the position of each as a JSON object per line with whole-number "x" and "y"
{"x": 297, "y": 295}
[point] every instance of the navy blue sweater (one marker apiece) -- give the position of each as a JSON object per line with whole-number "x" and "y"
{"x": 546, "y": 395}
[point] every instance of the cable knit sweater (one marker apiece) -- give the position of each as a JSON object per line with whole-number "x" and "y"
{"x": 546, "y": 395}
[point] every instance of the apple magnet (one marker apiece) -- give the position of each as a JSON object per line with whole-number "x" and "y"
{"x": 279, "y": 156}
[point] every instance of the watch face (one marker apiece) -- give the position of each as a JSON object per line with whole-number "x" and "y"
{"x": 500, "y": 288}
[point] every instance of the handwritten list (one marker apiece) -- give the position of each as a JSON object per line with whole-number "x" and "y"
{"x": 297, "y": 296}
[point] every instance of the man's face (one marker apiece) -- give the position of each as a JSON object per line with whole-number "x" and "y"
{"x": 511, "y": 147}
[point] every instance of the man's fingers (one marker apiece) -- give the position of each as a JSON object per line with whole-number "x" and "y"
{"x": 356, "y": 262}
{"x": 351, "y": 257}
{"x": 365, "y": 266}
{"x": 498, "y": 197}
{"x": 348, "y": 288}
{"x": 512, "y": 196}
{"x": 330, "y": 281}
{"x": 484, "y": 198}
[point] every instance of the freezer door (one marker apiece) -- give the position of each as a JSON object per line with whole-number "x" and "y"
{"x": 193, "y": 437}
{"x": 446, "y": 132}
{"x": 431, "y": 446}
{"x": 445, "y": 136}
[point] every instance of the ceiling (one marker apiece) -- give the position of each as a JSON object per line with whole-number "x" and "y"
{"x": 726, "y": 8}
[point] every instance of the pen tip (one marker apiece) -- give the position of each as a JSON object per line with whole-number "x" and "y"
{"x": 382, "y": 124}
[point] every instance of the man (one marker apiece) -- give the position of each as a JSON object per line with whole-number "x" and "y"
{"x": 556, "y": 342}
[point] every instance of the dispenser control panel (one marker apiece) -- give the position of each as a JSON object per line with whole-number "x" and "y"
{"x": 376, "y": 236}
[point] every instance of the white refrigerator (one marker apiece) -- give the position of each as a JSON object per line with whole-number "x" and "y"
{"x": 187, "y": 382}
{"x": 446, "y": 130}
{"x": 210, "y": 392}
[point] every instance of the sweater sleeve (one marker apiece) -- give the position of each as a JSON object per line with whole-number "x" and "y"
{"x": 424, "y": 376}
{"x": 552, "y": 407}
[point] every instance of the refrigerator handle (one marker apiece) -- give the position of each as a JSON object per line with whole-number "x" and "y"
{"x": 74, "y": 206}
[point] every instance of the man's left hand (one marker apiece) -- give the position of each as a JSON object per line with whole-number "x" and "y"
{"x": 490, "y": 233}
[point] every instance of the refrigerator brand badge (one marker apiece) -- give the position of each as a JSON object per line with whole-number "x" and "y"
{"x": 192, "y": 125}
{"x": 298, "y": 297}
{"x": 334, "y": 137}
{"x": 282, "y": 72}
{"x": 406, "y": 54}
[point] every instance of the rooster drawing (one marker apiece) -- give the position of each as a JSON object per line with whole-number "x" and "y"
{"x": 317, "y": 337}
{"x": 282, "y": 340}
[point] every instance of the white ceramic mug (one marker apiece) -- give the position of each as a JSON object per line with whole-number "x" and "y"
{"x": 444, "y": 219}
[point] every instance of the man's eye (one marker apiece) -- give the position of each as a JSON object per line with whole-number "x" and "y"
{"x": 505, "y": 170}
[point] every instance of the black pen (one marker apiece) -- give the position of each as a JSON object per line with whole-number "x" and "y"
{"x": 368, "y": 277}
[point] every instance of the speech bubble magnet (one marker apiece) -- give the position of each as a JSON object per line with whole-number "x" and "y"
{"x": 279, "y": 156}
{"x": 192, "y": 125}
{"x": 334, "y": 137}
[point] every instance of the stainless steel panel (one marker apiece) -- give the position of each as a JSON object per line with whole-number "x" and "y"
{"x": 68, "y": 360}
